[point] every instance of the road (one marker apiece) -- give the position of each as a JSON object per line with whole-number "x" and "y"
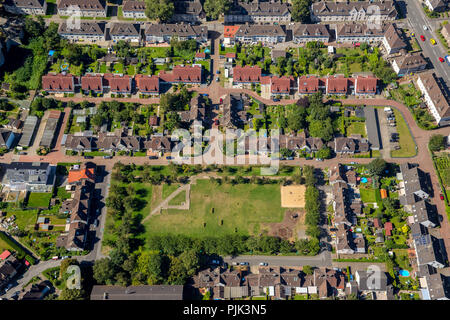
{"x": 321, "y": 260}
{"x": 418, "y": 19}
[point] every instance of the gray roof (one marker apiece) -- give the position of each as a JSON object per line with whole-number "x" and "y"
{"x": 35, "y": 4}
{"x": 328, "y": 8}
{"x": 413, "y": 178}
{"x": 86, "y": 28}
{"x": 311, "y": 30}
{"x": 124, "y": 29}
{"x": 161, "y": 292}
{"x": 188, "y": 7}
{"x": 421, "y": 212}
{"x": 49, "y": 131}
{"x": 393, "y": 37}
{"x": 172, "y": 29}
{"x": 371, "y": 282}
{"x": 358, "y": 30}
{"x": 134, "y": 6}
{"x": 251, "y": 30}
{"x": 410, "y": 61}
{"x": 437, "y": 287}
{"x": 29, "y": 127}
{"x": 256, "y": 8}
{"x": 372, "y": 126}
{"x": 84, "y": 5}
{"x": 30, "y": 172}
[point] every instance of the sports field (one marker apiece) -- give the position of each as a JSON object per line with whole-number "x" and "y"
{"x": 221, "y": 209}
{"x": 293, "y": 196}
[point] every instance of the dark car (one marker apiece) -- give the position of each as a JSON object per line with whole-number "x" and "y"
{"x": 244, "y": 264}
{"x": 153, "y": 157}
{"x": 169, "y": 157}
{"x": 88, "y": 157}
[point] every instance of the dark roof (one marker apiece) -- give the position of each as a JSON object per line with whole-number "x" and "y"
{"x": 124, "y": 29}
{"x": 250, "y": 30}
{"x": 85, "y": 28}
{"x": 311, "y": 30}
{"x": 328, "y": 8}
{"x": 372, "y": 126}
{"x": 37, "y": 4}
{"x": 144, "y": 292}
{"x": 137, "y": 6}
{"x": 92, "y": 5}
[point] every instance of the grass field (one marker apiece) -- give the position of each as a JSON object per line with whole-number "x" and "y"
{"x": 357, "y": 128}
{"x": 167, "y": 190}
{"x": 406, "y": 141}
{"x": 179, "y": 199}
{"x": 39, "y": 200}
{"x": 223, "y": 209}
{"x": 367, "y": 195}
{"x": 4, "y": 246}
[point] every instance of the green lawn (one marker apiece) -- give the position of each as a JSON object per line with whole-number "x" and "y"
{"x": 63, "y": 194}
{"x": 169, "y": 189}
{"x": 367, "y": 195}
{"x": 118, "y": 68}
{"x": 357, "y": 128}
{"x": 225, "y": 209}
{"x": 406, "y": 141}
{"x": 4, "y": 246}
{"x": 179, "y": 199}
{"x": 25, "y": 219}
{"x": 96, "y": 154}
{"x": 39, "y": 200}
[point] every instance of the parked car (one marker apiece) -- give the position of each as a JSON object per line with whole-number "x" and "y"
{"x": 447, "y": 58}
{"x": 290, "y": 158}
{"x": 425, "y": 27}
{"x": 276, "y": 99}
{"x": 169, "y": 158}
{"x": 432, "y": 41}
{"x": 55, "y": 258}
{"x": 264, "y": 264}
{"x": 234, "y": 263}
{"x": 441, "y": 59}
{"x": 422, "y": 38}
{"x": 88, "y": 157}
{"x": 244, "y": 264}
{"x": 215, "y": 262}
{"x": 107, "y": 157}
{"x": 353, "y": 162}
{"x": 441, "y": 196}
{"x": 96, "y": 223}
{"x": 153, "y": 157}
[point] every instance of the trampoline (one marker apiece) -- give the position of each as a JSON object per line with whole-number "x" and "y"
{"x": 404, "y": 273}
{"x": 363, "y": 180}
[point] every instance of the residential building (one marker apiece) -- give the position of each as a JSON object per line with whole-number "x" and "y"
{"x": 446, "y": 33}
{"x": 144, "y": 292}
{"x": 188, "y": 11}
{"x": 13, "y": 124}
{"x": 80, "y": 143}
{"x": 183, "y": 74}
{"x": 412, "y": 185}
{"x": 434, "y": 98}
{"x": 229, "y": 33}
{"x": 50, "y": 129}
{"x": 147, "y": 85}
{"x": 29, "y": 176}
{"x": 92, "y": 83}
{"x": 86, "y": 8}
{"x": 436, "y": 288}
{"x": 118, "y": 83}
{"x": 422, "y": 213}
{"x": 407, "y": 64}
{"x": 436, "y": 5}
{"x": 310, "y": 84}
{"x": 86, "y": 31}
{"x": 339, "y": 85}
{"x": 428, "y": 248}
{"x": 78, "y": 207}
{"x": 80, "y": 172}
{"x": 158, "y": 33}
{"x": 28, "y": 131}
{"x": 29, "y": 7}
{"x": 344, "y": 240}
{"x": 259, "y": 12}
{"x": 282, "y": 86}
{"x": 231, "y": 106}
{"x": 392, "y": 40}
{"x": 158, "y": 145}
{"x": 365, "y": 86}
{"x": 329, "y": 283}
{"x": 58, "y": 83}
{"x": 7, "y": 138}
{"x": 197, "y": 111}
{"x": 311, "y": 32}
{"x": 349, "y": 145}
{"x": 246, "y": 75}
{"x": 9, "y": 267}
{"x": 134, "y": 9}
{"x": 266, "y": 34}
{"x": 353, "y": 10}
{"x": 373, "y": 284}
{"x": 354, "y": 32}
{"x": 38, "y": 291}
{"x": 125, "y": 31}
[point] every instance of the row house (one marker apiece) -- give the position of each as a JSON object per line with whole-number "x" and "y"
{"x": 436, "y": 5}
{"x": 125, "y": 31}
{"x": 86, "y": 31}
{"x": 118, "y": 83}
{"x": 301, "y": 143}
{"x": 392, "y": 40}
{"x": 422, "y": 213}
{"x": 59, "y": 83}
{"x": 183, "y": 74}
{"x": 197, "y": 111}
{"x": 412, "y": 185}
{"x": 164, "y": 32}
{"x": 147, "y": 85}
{"x": 229, "y": 34}
{"x": 188, "y": 11}
{"x": 359, "y": 32}
{"x": 134, "y": 9}
{"x": 310, "y": 85}
{"x": 353, "y": 11}
{"x": 78, "y": 208}
{"x": 28, "y": 7}
{"x": 407, "y": 64}
{"x": 259, "y": 12}
{"x": 280, "y": 86}
{"x": 10, "y": 266}
{"x": 266, "y": 34}
{"x": 85, "y": 8}
{"x": 246, "y": 75}
{"x": 347, "y": 242}
{"x": 349, "y": 145}
{"x": 429, "y": 251}
{"x": 434, "y": 98}
{"x": 92, "y": 83}
{"x": 311, "y": 32}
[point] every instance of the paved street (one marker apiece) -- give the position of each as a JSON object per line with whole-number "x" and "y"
{"x": 418, "y": 19}
{"x": 321, "y": 260}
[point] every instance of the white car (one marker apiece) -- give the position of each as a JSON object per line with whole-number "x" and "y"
{"x": 425, "y": 27}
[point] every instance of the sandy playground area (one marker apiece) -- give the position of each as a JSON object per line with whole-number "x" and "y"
{"x": 293, "y": 196}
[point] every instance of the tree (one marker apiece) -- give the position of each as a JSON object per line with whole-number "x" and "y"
{"x": 71, "y": 294}
{"x": 215, "y": 8}
{"x": 161, "y": 10}
{"x": 296, "y": 117}
{"x": 173, "y": 121}
{"x": 103, "y": 271}
{"x": 308, "y": 270}
{"x": 301, "y": 10}
{"x": 65, "y": 264}
{"x": 437, "y": 142}
{"x": 377, "y": 167}
{"x": 324, "y": 153}
{"x": 322, "y": 129}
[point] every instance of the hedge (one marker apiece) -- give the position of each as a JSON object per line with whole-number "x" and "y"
{"x": 21, "y": 252}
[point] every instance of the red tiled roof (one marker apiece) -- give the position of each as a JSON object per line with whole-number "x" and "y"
{"x": 307, "y": 84}
{"x": 337, "y": 85}
{"x": 5, "y": 255}
{"x": 200, "y": 55}
{"x": 146, "y": 83}
{"x": 388, "y": 228}
{"x": 58, "y": 82}
{"x": 77, "y": 175}
{"x": 377, "y": 223}
{"x": 92, "y": 82}
{"x": 54, "y": 114}
{"x": 366, "y": 84}
{"x": 230, "y": 55}
{"x": 230, "y": 31}
{"x": 118, "y": 83}
{"x": 182, "y": 74}
{"x": 281, "y": 84}
{"x": 247, "y": 74}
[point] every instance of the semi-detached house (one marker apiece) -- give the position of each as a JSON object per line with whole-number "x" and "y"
{"x": 267, "y": 34}
{"x": 31, "y": 7}
{"x": 134, "y": 9}
{"x": 406, "y": 64}
{"x": 188, "y": 11}
{"x": 259, "y": 12}
{"x": 353, "y": 11}
{"x": 434, "y": 98}
{"x": 86, "y": 32}
{"x": 125, "y": 31}
{"x": 86, "y": 8}
{"x": 311, "y": 32}
{"x": 164, "y": 32}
